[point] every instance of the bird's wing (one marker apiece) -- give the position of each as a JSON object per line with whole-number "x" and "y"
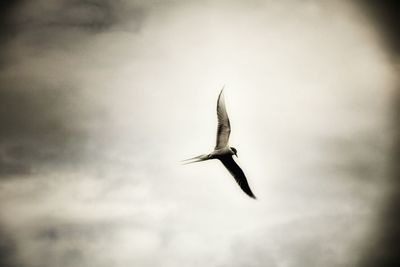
{"x": 224, "y": 127}
{"x": 237, "y": 173}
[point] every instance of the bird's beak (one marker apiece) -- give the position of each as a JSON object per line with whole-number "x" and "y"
{"x": 236, "y": 155}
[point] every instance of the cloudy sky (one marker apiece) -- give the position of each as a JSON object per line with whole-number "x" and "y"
{"x": 100, "y": 100}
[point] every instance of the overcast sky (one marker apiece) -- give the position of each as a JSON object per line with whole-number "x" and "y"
{"x": 100, "y": 100}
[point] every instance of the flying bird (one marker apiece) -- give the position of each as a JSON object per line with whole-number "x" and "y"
{"x": 222, "y": 150}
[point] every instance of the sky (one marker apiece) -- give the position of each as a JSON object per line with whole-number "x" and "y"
{"x": 100, "y": 100}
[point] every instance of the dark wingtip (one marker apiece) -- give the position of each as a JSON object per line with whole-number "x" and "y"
{"x": 250, "y": 193}
{"x": 219, "y": 96}
{"x": 222, "y": 90}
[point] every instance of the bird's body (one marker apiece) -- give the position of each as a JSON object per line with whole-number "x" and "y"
{"x": 223, "y": 151}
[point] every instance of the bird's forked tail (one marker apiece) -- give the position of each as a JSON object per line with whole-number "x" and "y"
{"x": 195, "y": 159}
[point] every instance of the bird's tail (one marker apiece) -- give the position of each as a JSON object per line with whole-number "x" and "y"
{"x": 195, "y": 159}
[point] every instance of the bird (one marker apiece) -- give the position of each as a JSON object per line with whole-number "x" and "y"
{"x": 222, "y": 151}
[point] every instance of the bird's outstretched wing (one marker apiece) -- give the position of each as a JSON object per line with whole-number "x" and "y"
{"x": 224, "y": 127}
{"x": 237, "y": 173}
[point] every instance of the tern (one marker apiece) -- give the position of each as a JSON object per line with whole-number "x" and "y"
{"x": 222, "y": 150}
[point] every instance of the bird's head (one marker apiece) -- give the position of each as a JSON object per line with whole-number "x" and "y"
{"x": 234, "y": 151}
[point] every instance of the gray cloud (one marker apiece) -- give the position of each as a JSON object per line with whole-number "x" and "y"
{"x": 7, "y": 9}
{"x": 31, "y": 28}
{"x": 39, "y": 126}
{"x": 87, "y": 15}
{"x": 7, "y": 250}
{"x": 384, "y": 244}
{"x": 384, "y": 15}
{"x": 45, "y": 119}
